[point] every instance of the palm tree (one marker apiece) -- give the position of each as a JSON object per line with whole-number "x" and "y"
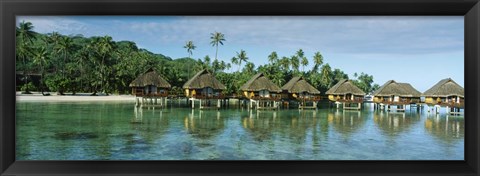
{"x": 26, "y": 35}
{"x": 40, "y": 59}
{"x": 295, "y": 63}
{"x": 206, "y": 61}
{"x": 216, "y": 66}
{"x": 304, "y": 63}
{"x": 285, "y": 63}
{"x": 106, "y": 47}
{"x": 242, "y": 56}
{"x": 65, "y": 46}
{"x": 224, "y": 65}
{"x": 249, "y": 67}
{"x": 326, "y": 75}
{"x": 83, "y": 57}
{"x": 217, "y": 38}
{"x": 273, "y": 57}
{"x": 190, "y": 47}
{"x": 234, "y": 60}
{"x": 302, "y": 58}
{"x": 317, "y": 60}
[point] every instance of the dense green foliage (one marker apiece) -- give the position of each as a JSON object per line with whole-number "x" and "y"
{"x": 99, "y": 64}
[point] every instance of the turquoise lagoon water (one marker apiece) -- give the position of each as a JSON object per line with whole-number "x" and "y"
{"x": 119, "y": 131}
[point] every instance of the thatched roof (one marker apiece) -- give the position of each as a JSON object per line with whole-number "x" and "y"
{"x": 399, "y": 89}
{"x": 260, "y": 82}
{"x": 150, "y": 78}
{"x": 202, "y": 80}
{"x": 343, "y": 87}
{"x": 444, "y": 88}
{"x": 298, "y": 85}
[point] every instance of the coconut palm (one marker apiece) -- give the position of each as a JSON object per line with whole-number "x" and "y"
{"x": 304, "y": 63}
{"x": 303, "y": 59}
{"x": 64, "y": 47}
{"x": 295, "y": 63}
{"x": 190, "y": 47}
{"x": 317, "y": 60}
{"x": 106, "y": 47}
{"x": 326, "y": 75}
{"x": 273, "y": 57}
{"x": 285, "y": 63}
{"x": 83, "y": 57}
{"x": 234, "y": 60}
{"x": 223, "y": 66}
{"x": 40, "y": 58}
{"x": 216, "y": 66}
{"x": 242, "y": 56}
{"x": 249, "y": 67}
{"x": 26, "y": 35}
{"x": 217, "y": 38}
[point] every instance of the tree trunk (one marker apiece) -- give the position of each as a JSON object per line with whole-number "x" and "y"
{"x": 25, "y": 77}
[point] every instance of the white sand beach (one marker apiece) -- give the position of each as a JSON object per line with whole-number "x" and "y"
{"x": 79, "y": 97}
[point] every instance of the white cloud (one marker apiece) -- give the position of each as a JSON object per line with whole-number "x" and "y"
{"x": 369, "y": 35}
{"x": 48, "y": 24}
{"x": 339, "y": 34}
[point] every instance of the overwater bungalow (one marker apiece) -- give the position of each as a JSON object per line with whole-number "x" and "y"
{"x": 261, "y": 91}
{"x": 347, "y": 94}
{"x": 204, "y": 88}
{"x": 446, "y": 93}
{"x": 397, "y": 94}
{"x": 300, "y": 90}
{"x": 150, "y": 87}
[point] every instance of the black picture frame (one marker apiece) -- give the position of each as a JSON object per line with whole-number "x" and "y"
{"x": 9, "y": 9}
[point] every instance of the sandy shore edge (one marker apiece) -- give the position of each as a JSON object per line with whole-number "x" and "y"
{"x": 79, "y": 97}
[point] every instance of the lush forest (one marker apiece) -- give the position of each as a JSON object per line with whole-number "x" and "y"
{"x": 74, "y": 63}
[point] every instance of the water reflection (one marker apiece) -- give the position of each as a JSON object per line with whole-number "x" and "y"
{"x": 263, "y": 125}
{"x": 204, "y": 124}
{"x": 118, "y": 132}
{"x": 150, "y": 120}
{"x": 260, "y": 124}
{"x": 347, "y": 122}
{"x": 394, "y": 124}
{"x": 147, "y": 126}
{"x": 446, "y": 128}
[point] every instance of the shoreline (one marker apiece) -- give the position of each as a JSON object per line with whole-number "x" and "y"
{"x": 79, "y": 97}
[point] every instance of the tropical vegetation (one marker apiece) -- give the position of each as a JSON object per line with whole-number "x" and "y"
{"x": 98, "y": 64}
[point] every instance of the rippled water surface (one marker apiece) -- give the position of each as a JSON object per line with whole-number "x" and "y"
{"x": 119, "y": 131}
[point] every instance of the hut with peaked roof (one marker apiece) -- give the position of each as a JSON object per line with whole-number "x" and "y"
{"x": 149, "y": 87}
{"x": 261, "y": 91}
{"x": 346, "y": 93}
{"x": 300, "y": 90}
{"x": 446, "y": 93}
{"x": 397, "y": 94}
{"x": 205, "y": 88}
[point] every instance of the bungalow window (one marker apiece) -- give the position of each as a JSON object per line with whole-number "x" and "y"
{"x": 264, "y": 93}
{"x": 396, "y": 98}
{"x": 208, "y": 91}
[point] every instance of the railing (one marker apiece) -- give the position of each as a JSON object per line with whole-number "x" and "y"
{"x": 399, "y": 102}
{"x": 355, "y": 100}
{"x": 313, "y": 98}
{"x": 461, "y": 103}
{"x": 203, "y": 96}
{"x": 141, "y": 94}
{"x": 272, "y": 98}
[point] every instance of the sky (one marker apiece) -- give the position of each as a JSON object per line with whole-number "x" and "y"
{"x": 420, "y": 50}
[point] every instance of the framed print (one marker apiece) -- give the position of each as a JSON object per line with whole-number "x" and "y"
{"x": 254, "y": 87}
